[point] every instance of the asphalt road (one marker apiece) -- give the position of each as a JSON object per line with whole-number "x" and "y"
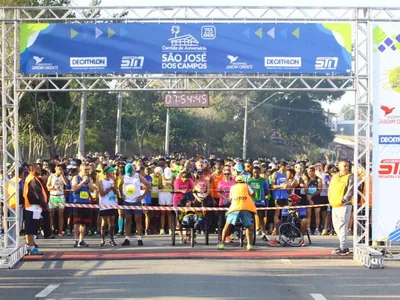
{"x": 199, "y": 279}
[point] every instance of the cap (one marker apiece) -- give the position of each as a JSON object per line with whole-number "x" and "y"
{"x": 39, "y": 161}
{"x": 70, "y": 167}
{"x": 239, "y": 168}
{"x": 129, "y": 169}
{"x": 240, "y": 178}
{"x": 158, "y": 170}
{"x": 108, "y": 169}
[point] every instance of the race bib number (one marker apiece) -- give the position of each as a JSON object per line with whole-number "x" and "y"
{"x": 312, "y": 190}
{"x": 112, "y": 197}
{"x": 154, "y": 189}
{"x": 130, "y": 190}
{"x": 84, "y": 195}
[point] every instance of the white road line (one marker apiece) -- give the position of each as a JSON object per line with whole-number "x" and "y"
{"x": 318, "y": 297}
{"x": 47, "y": 291}
{"x": 286, "y": 261}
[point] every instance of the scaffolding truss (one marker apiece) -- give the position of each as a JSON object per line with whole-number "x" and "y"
{"x": 14, "y": 85}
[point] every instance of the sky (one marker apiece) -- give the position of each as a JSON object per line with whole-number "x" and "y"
{"x": 348, "y": 98}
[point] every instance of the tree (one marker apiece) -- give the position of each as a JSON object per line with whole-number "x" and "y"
{"x": 348, "y": 112}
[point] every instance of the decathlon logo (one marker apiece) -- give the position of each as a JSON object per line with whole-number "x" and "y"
{"x": 326, "y": 63}
{"x": 389, "y": 139}
{"x": 88, "y": 62}
{"x": 132, "y": 62}
{"x": 282, "y": 62}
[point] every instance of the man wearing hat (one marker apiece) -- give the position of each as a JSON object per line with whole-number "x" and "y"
{"x": 242, "y": 207}
{"x": 130, "y": 189}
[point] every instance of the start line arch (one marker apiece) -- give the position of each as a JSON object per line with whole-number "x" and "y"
{"x": 14, "y": 85}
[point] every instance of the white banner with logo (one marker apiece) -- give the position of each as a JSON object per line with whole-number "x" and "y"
{"x": 386, "y": 131}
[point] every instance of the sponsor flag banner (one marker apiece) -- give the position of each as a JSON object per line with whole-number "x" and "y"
{"x": 315, "y": 48}
{"x": 386, "y": 130}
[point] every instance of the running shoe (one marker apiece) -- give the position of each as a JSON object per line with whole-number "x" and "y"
{"x": 221, "y": 246}
{"x": 83, "y": 244}
{"x": 112, "y": 243}
{"x": 250, "y": 247}
{"x": 140, "y": 243}
{"x": 162, "y": 232}
{"x": 259, "y": 232}
{"x": 324, "y": 232}
{"x": 274, "y": 232}
{"x": 61, "y": 233}
{"x": 228, "y": 240}
{"x": 339, "y": 251}
{"x": 126, "y": 242}
{"x": 317, "y": 232}
{"x": 103, "y": 243}
{"x": 274, "y": 242}
{"x": 75, "y": 244}
{"x": 265, "y": 238}
{"x": 35, "y": 251}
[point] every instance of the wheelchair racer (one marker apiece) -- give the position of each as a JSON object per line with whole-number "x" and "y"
{"x": 242, "y": 207}
{"x": 300, "y": 213}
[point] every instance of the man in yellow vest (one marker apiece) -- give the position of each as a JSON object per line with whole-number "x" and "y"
{"x": 340, "y": 196}
{"x": 242, "y": 207}
{"x": 35, "y": 199}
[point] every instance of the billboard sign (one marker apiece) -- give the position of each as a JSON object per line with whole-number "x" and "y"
{"x": 386, "y": 129}
{"x": 186, "y": 100}
{"x": 314, "y": 48}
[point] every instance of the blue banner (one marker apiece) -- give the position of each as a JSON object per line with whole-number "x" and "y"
{"x": 321, "y": 48}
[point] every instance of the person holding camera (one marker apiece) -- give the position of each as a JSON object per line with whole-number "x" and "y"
{"x": 81, "y": 186}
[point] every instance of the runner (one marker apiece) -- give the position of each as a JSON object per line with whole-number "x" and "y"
{"x": 147, "y": 200}
{"x": 183, "y": 186}
{"x": 224, "y": 187}
{"x": 260, "y": 187}
{"x": 55, "y": 184}
{"x": 314, "y": 188}
{"x": 165, "y": 199}
{"x": 156, "y": 186}
{"x": 130, "y": 192}
{"x": 108, "y": 196}
{"x": 280, "y": 195}
{"x": 81, "y": 185}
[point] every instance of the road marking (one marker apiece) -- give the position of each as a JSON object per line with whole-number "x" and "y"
{"x": 318, "y": 297}
{"x": 47, "y": 291}
{"x": 286, "y": 261}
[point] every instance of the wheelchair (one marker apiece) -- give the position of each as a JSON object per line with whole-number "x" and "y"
{"x": 190, "y": 223}
{"x": 238, "y": 228}
{"x": 289, "y": 231}
{"x": 242, "y": 231}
